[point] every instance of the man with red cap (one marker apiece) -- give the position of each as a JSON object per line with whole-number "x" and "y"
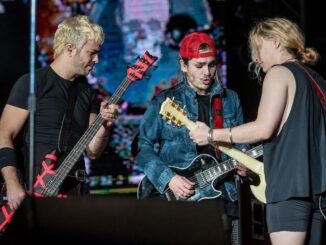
{"x": 164, "y": 148}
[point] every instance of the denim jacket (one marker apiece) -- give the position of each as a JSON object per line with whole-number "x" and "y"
{"x": 162, "y": 144}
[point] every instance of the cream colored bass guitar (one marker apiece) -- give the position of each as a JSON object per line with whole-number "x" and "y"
{"x": 171, "y": 112}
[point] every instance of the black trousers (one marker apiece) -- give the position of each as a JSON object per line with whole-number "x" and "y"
{"x": 318, "y": 225}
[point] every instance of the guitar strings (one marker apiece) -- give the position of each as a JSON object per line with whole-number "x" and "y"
{"x": 256, "y": 151}
{"x": 53, "y": 183}
{"x": 57, "y": 179}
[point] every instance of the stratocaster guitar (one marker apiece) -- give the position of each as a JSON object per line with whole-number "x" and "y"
{"x": 205, "y": 172}
{"x": 176, "y": 115}
{"x": 54, "y": 169}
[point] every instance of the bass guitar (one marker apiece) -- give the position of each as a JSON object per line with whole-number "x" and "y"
{"x": 55, "y": 169}
{"x": 174, "y": 114}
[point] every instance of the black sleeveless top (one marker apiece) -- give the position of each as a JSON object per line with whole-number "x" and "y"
{"x": 295, "y": 160}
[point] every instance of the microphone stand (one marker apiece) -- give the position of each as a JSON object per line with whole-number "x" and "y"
{"x": 31, "y": 98}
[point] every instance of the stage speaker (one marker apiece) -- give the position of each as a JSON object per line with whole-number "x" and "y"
{"x": 114, "y": 220}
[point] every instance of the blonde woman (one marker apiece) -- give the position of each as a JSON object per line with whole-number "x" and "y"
{"x": 291, "y": 122}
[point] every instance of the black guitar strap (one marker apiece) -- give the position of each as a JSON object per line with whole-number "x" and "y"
{"x": 67, "y": 119}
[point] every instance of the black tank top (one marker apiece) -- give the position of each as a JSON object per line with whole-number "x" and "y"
{"x": 295, "y": 160}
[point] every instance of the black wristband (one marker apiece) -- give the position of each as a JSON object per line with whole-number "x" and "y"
{"x": 8, "y": 157}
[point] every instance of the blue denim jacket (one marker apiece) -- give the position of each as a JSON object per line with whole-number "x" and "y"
{"x": 162, "y": 144}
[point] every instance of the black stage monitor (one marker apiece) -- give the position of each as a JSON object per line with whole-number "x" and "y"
{"x": 116, "y": 220}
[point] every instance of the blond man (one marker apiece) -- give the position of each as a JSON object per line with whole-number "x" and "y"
{"x": 77, "y": 43}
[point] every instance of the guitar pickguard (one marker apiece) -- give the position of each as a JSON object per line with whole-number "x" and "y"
{"x": 204, "y": 187}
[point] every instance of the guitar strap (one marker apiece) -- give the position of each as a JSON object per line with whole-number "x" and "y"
{"x": 318, "y": 89}
{"x": 67, "y": 119}
{"x": 218, "y": 114}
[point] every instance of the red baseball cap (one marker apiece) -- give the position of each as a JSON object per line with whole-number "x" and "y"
{"x": 190, "y": 45}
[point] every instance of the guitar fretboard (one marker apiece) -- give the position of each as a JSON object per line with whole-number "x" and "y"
{"x": 136, "y": 72}
{"x": 79, "y": 148}
{"x": 227, "y": 166}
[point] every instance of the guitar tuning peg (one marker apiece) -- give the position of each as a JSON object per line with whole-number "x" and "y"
{"x": 144, "y": 61}
{"x": 173, "y": 98}
{"x": 148, "y": 76}
{"x": 155, "y": 67}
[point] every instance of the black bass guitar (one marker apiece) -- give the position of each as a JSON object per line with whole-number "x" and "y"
{"x": 55, "y": 169}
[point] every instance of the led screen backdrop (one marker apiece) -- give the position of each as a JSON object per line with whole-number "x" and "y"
{"x": 131, "y": 27}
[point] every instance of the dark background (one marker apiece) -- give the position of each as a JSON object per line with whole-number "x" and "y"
{"x": 14, "y": 43}
{"x": 238, "y": 19}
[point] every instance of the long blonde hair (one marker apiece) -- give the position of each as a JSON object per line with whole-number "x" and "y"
{"x": 77, "y": 31}
{"x": 290, "y": 36}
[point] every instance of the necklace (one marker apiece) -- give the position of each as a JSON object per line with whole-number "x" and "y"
{"x": 291, "y": 60}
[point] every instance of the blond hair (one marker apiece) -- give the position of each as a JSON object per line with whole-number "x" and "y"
{"x": 77, "y": 31}
{"x": 291, "y": 38}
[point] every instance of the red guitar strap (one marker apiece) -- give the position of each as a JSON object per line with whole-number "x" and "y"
{"x": 318, "y": 89}
{"x": 7, "y": 214}
{"x": 217, "y": 115}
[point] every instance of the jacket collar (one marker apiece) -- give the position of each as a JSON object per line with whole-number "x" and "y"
{"x": 189, "y": 91}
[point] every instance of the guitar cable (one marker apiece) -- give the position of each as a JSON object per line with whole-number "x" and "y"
{"x": 320, "y": 209}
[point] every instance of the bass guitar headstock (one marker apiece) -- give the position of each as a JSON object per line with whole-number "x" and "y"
{"x": 139, "y": 69}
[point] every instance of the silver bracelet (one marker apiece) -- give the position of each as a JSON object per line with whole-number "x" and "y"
{"x": 210, "y": 136}
{"x": 230, "y": 135}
